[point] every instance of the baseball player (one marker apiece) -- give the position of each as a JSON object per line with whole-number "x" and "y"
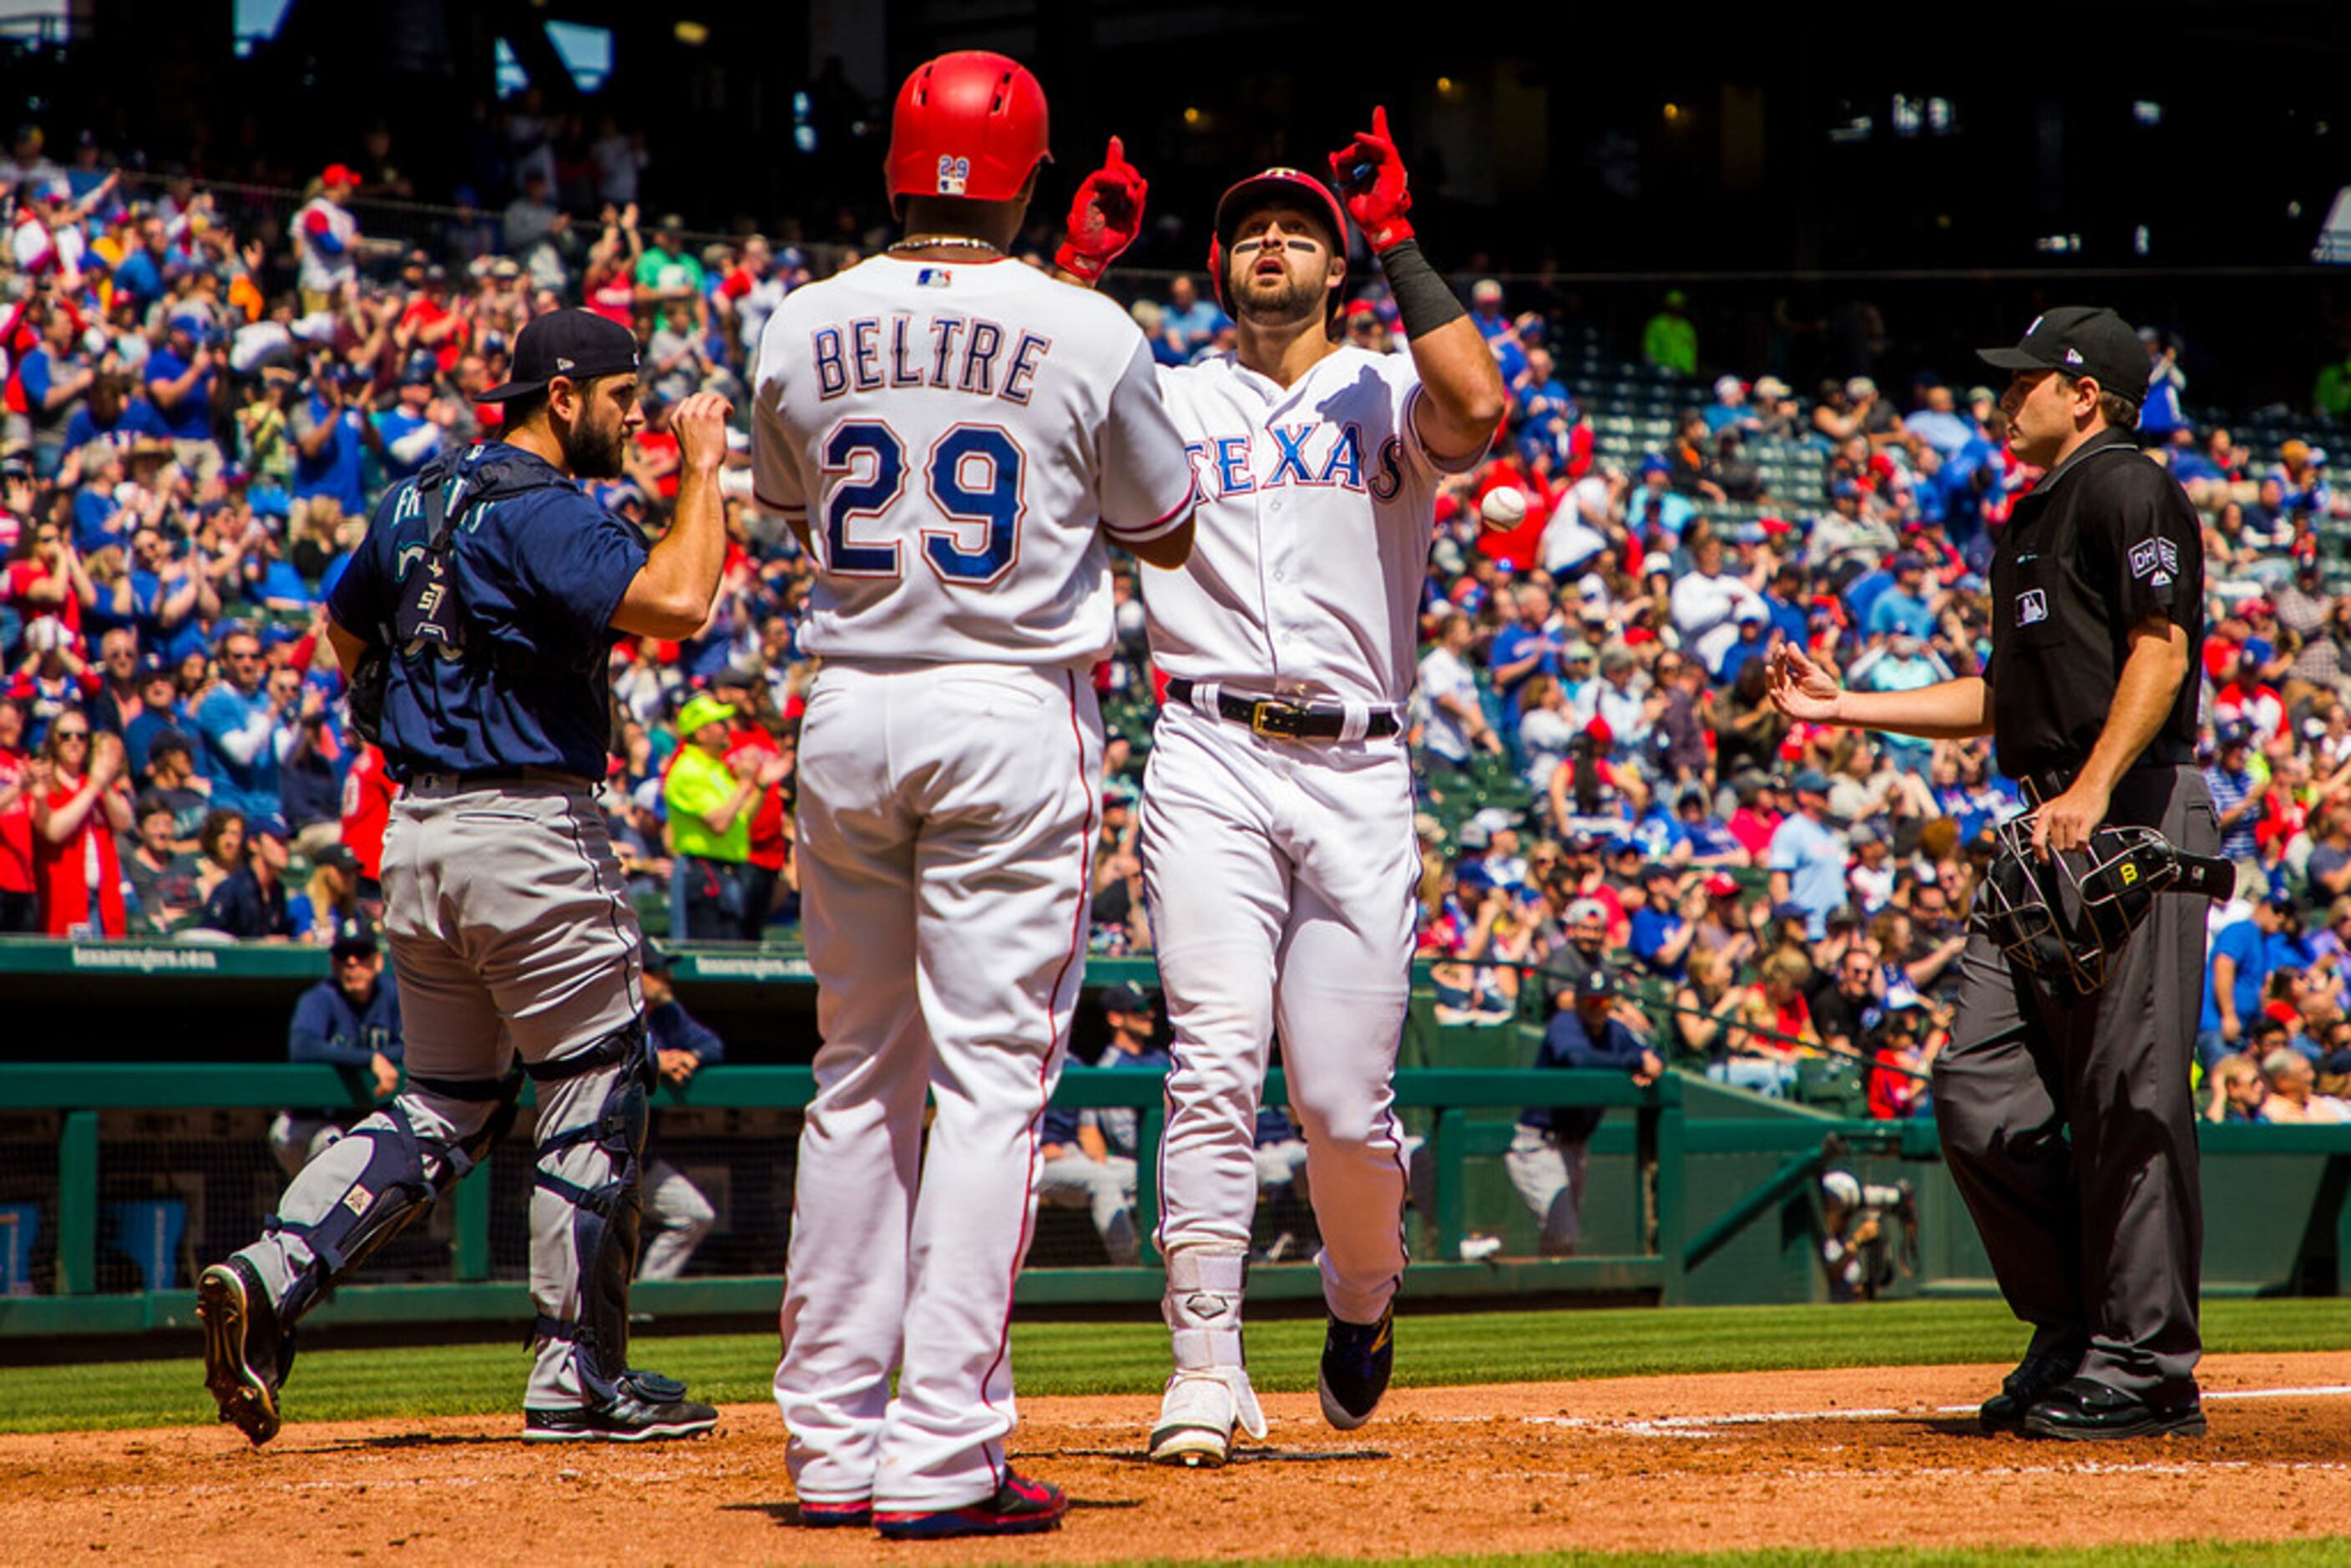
{"x": 476, "y": 620}
{"x": 953, "y": 435}
{"x": 1277, "y": 833}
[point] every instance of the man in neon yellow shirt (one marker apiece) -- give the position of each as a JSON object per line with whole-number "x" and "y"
{"x": 710, "y": 827}
{"x": 1670, "y": 340}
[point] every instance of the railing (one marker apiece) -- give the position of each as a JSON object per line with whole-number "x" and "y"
{"x": 79, "y": 1092}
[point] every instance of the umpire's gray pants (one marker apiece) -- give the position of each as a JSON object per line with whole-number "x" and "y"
{"x": 2095, "y": 1242}
{"x": 511, "y": 934}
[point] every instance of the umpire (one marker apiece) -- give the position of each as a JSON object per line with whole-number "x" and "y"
{"x": 2089, "y": 697}
{"x": 475, "y": 621}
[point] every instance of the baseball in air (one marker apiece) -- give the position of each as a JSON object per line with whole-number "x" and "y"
{"x": 1504, "y": 507}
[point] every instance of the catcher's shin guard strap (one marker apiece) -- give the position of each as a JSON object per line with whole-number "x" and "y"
{"x": 400, "y": 1175}
{"x": 605, "y": 1216}
{"x": 1424, "y": 302}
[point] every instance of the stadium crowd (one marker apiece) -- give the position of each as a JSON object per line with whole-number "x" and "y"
{"x": 204, "y": 396}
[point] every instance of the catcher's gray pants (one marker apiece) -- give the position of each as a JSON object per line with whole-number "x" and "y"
{"x": 1549, "y": 1176}
{"x": 2095, "y": 1242}
{"x": 511, "y": 934}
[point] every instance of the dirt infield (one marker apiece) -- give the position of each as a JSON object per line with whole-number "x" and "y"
{"x": 1715, "y": 1462}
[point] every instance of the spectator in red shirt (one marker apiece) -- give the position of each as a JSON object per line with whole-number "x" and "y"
{"x": 49, "y": 582}
{"x": 434, "y": 323}
{"x": 367, "y": 806}
{"x": 81, "y": 800}
{"x": 2249, "y": 697}
{"x": 20, "y": 904}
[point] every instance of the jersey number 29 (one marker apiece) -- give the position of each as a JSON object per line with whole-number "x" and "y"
{"x": 973, "y": 476}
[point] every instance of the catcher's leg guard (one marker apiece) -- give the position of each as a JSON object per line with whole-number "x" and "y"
{"x": 1209, "y": 1393}
{"x": 594, "y": 1109}
{"x": 375, "y": 1182}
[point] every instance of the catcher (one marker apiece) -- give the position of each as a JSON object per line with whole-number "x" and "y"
{"x": 2070, "y": 1020}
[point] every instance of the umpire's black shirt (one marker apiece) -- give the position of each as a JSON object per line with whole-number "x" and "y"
{"x": 2105, "y": 540}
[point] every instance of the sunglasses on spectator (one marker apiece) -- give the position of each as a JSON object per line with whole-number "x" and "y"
{"x": 65, "y": 735}
{"x": 242, "y": 655}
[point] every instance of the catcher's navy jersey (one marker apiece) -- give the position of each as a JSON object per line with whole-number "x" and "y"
{"x": 538, "y": 569}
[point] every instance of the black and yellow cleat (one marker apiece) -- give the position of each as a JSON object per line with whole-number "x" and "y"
{"x": 1357, "y": 1360}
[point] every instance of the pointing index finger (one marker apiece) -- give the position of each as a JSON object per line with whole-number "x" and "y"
{"x": 1380, "y": 121}
{"x": 1117, "y": 154}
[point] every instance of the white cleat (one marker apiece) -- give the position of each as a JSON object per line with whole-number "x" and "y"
{"x": 1196, "y": 1418}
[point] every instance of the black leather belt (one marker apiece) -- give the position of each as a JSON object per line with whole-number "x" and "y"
{"x": 1286, "y": 720}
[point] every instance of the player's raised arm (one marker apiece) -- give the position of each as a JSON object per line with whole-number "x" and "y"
{"x": 1105, "y": 218}
{"x": 1464, "y": 393}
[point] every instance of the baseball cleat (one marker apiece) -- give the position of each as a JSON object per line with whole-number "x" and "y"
{"x": 2083, "y": 1409}
{"x": 242, "y": 1348}
{"x": 1357, "y": 1359}
{"x": 1196, "y": 1417}
{"x": 1020, "y": 1507}
{"x": 834, "y": 1515}
{"x": 642, "y": 1410}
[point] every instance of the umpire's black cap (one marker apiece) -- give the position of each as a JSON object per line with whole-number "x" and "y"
{"x": 2080, "y": 341}
{"x": 580, "y": 344}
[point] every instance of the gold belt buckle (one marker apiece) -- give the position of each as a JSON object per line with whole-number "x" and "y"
{"x": 1260, "y": 711}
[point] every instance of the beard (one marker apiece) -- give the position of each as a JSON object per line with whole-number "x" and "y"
{"x": 592, "y": 451}
{"x": 1295, "y": 299}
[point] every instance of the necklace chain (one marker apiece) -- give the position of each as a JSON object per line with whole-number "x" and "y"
{"x": 944, "y": 241}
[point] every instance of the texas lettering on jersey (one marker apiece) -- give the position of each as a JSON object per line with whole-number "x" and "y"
{"x": 1313, "y": 454}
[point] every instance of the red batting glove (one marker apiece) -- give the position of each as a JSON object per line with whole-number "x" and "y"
{"x": 1369, "y": 173}
{"x": 1104, "y": 216}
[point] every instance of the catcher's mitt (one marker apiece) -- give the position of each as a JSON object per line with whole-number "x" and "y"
{"x": 2067, "y": 919}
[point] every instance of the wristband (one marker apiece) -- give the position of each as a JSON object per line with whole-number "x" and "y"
{"x": 1423, "y": 301}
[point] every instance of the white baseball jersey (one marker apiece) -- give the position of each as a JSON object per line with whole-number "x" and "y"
{"x": 1312, "y": 540}
{"x": 957, "y": 438}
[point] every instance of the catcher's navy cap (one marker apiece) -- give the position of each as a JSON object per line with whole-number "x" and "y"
{"x": 2080, "y": 341}
{"x": 353, "y": 934}
{"x": 1597, "y": 985}
{"x": 1125, "y": 998}
{"x": 578, "y": 344}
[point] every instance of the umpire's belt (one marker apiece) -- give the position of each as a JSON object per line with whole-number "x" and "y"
{"x": 1282, "y": 718}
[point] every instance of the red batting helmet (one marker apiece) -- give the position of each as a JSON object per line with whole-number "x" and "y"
{"x": 1294, "y": 187}
{"x": 969, "y": 124}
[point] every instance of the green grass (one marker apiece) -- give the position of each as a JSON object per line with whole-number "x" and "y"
{"x": 1132, "y": 1358}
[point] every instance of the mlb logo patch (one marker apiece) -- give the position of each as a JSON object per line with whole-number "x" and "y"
{"x": 2031, "y": 605}
{"x": 933, "y": 277}
{"x": 954, "y": 174}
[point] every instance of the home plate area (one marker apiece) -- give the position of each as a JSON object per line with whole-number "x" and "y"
{"x": 1864, "y": 1457}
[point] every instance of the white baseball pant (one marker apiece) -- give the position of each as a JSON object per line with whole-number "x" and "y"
{"x": 946, "y": 819}
{"x": 1280, "y": 876}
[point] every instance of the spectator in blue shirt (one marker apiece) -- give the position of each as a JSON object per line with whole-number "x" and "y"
{"x": 351, "y": 1021}
{"x": 1088, "y": 1157}
{"x": 1546, "y": 1160}
{"x": 407, "y": 436}
{"x": 1807, "y": 861}
{"x": 181, "y": 380}
{"x": 331, "y": 431}
{"x": 1905, "y": 607}
{"x": 1188, "y": 323}
{"x": 244, "y": 729}
{"x": 113, "y": 413}
{"x": 250, "y": 903}
{"x": 2234, "y": 973}
{"x": 1663, "y": 926}
{"x": 2236, "y": 790}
